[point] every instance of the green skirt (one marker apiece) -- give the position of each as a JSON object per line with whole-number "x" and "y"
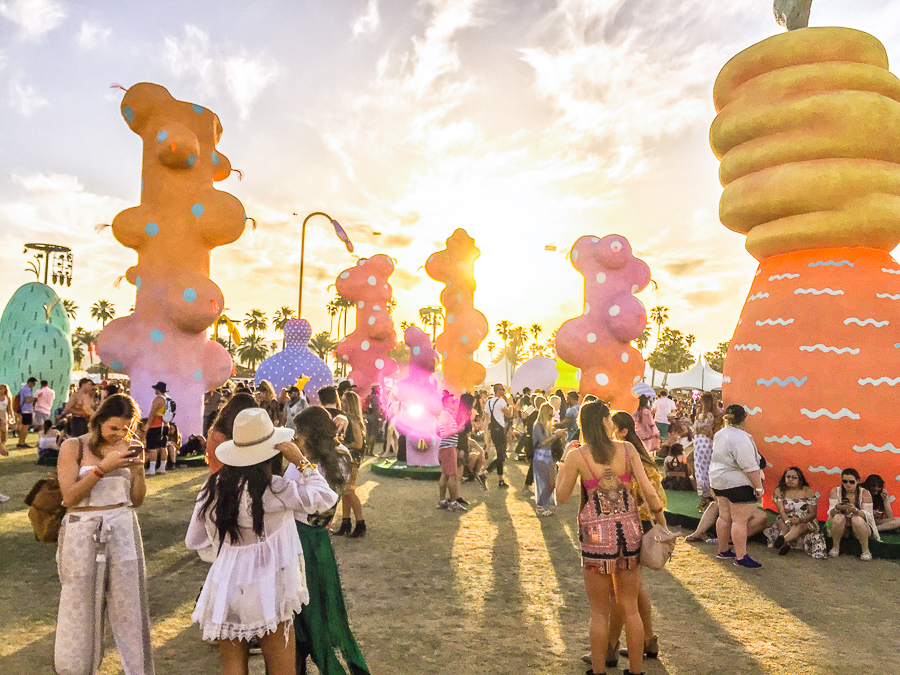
{"x": 322, "y": 628}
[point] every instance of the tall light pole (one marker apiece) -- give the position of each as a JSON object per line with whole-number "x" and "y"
{"x": 339, "y": 231}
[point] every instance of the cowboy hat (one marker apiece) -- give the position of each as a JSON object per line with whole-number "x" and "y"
{"x": 254, "y": 439}
{"x": 160, "y": 387}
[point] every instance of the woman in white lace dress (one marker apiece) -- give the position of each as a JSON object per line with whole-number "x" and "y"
{"x": 244, "y": 523}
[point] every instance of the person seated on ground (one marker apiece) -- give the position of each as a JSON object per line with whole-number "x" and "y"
{"x": 850, "y": 509}
{"x": 676, "y": 469}
{"x": 796, "y": 525}
{"x": 757, "y": 523}
{"x": 881, "y": 504}
{"x": 49, "y": 440}
{"x": 195, "y": 445}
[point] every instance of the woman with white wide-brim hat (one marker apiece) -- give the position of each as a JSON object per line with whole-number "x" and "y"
{"x": 244, "y": 522}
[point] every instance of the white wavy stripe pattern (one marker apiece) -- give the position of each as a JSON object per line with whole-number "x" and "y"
{"x": 881, "y": 380}
{"x": 758, "y": 296}
{"x": 823, "y": 348}
{"x": 816, "y": 291}
{"x": 748, "y": 347}
{"x": 782, "y": 383}
{"x": 865, "y": 322}
{"x": 753, "y": 411}
{"x": 843, "y": 412}
{"x": 821, "y": 469}
{"x": 726, "y": 379}
{"x": 831, "y": 263}
{"x": 793, "y": 440}
{"x": 787, "y": 275}
{"x": 774, "y": 322}
{"x": 887, "y": 296}
{"x": 885, "y": 269}
{"x": 887, "y": 447}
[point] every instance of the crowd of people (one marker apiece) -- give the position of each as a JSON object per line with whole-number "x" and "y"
{"x": 280, "y": 467}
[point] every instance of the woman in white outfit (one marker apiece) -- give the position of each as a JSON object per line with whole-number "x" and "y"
{"x": 244, "y": 522}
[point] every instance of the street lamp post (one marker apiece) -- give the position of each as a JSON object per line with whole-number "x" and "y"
{"x": 338, "y": 230}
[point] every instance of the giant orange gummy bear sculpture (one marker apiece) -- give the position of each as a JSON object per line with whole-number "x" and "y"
{"x": 181, "y": 218}
{"x": 807, "y": 132}
{"x": 464, "y": 326}
{"x": 366, "y": 348}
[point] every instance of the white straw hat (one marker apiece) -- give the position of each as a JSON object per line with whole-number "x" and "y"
{"x": 254, "y": 437}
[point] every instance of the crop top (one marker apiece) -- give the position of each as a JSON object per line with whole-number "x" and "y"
{"x": 113, "y": 488}
{"x": 590, "y": 483}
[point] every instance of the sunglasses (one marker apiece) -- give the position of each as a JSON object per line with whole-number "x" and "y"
{"x": 848, "y": 482}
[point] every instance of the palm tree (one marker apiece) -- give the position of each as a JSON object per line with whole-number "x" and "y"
{"x": 404, "y": 325}
{"x": 70, "y": 308}
{"x": 536, "y": 329}
{"x": 491, "y": 347}
{"x": 103, "y": 311}
{"x": 333, "y": 310}
{"x": 280, "y": 319}
{"x": 391, "y": 306}
{"x": 503, "y": 329}
{"x": 322, "y": 345}
{"x": 432, "y": 316}
{"x": 659, "y": 315}
{"x": 256, "y": 321}
{"x": 87, "y": 338}
{"x": 78, "y": 346}
{"x": 643, "y": 340}
{"x": 252, "y": 350}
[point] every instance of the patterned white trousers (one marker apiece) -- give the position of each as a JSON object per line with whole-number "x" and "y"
{"x": 702, "y": 455}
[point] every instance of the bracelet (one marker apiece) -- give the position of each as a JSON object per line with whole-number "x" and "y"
{"x": 97, "y": 471}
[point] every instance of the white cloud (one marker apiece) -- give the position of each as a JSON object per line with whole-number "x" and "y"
{"x": 92, "y": 35}
{"x": 34, "y": 17}
{"x": 23, "y": 98}
{"x": 3, "y": 59}
{"x": 211, "y": 68}
{"x": 368, "y": 22}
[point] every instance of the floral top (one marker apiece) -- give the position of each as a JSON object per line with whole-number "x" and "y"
{"x": 703, "y": 425}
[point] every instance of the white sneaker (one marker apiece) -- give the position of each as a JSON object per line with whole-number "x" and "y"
{"x": 834, "y": 553}
{"x": 162, "y": 468}
{"x": 443, "y": 504}
{"x": 456, "y": 506}
{"x": 866, "y": 556}
{"x": 4, "y": 498}
{"x": 151, "y": 471}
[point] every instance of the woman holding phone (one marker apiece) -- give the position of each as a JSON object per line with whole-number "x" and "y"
{"x": 100, "y": 554}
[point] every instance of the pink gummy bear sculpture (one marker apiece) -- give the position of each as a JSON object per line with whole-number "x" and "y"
{"x": 598, "y": 341}
{"x": 464, "y": 326}
{"x": 181, "y": 218}
{"x": 366, "y": 348}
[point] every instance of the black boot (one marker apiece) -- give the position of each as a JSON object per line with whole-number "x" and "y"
{"x": 343, "y": 529}
{"x": 359, "y": 530}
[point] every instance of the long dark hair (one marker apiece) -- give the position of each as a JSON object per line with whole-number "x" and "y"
{"x": 623, "y": 420}
{"x": 464, "y": 412}
{"x": 224, "y": 423}
{"x": 643, "y": 402}
{"x": 782, "y": 485}
{"x": 874, "y": 480}
{"x": 223, "y": 491}
{"x": 590, "y": 421}
{"x": 850, "y": 471}
{"x": 117, "y": 405}
{"x": 318, "y": 431}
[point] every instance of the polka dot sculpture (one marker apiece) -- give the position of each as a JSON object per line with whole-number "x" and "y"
{"x": 366, "y": 348}
{"x": 296, "y": 361}
{"x": 807, "y": 134}
{"x": 420, "y": 402}
{"x": 181, "y": 218}
{"x": 464, "y": 326}
{"x": 599, "y": 341}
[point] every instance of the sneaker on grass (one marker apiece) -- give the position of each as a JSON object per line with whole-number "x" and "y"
{"x": 726, "y": 555}
{"x": 747, "y": 561}
{"x": 443, "y": 504}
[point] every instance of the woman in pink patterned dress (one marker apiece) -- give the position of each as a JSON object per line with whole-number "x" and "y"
{"x": 644, "y": 425}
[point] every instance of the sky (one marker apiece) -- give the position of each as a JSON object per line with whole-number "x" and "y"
{"x": 528, "y": 123}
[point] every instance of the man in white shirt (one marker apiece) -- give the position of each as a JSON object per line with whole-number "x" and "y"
{"x": 661, "y": 409}
{"x": 499, "y": 411}
{"x": 43, "y": 404}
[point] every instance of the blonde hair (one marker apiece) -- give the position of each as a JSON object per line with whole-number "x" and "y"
{"x": 545, "y": 418}
{"x": 4, "y": 389}
{"x": 556, "y": 402}
{"x": 352, "y": 407}
{"x": 266, "y": 388}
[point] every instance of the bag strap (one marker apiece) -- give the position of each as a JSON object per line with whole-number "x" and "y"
{"x": 588, "y": 463}
{"x": 80, "y": 452}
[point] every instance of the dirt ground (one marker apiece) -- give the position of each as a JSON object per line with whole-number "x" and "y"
{"x": 494, "y": 590}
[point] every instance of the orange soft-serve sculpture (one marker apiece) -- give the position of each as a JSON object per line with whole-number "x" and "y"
{"x": 181, "y": 218}
{"x": 464, "y": 326}
{"x": 808, "y": 131}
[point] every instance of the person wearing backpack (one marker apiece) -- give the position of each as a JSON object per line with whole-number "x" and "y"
{"x": 499, "y": 411}
{"x": 157, "y": 428}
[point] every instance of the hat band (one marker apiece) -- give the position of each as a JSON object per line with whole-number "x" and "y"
{"x": 257, "y": 442}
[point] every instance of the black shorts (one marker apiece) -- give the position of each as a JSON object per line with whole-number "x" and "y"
{"x": 157, "y": 437}
{"x": 77, "y": 426}
{"x": 26, "y": 419}
{"x": 745, "y": 494}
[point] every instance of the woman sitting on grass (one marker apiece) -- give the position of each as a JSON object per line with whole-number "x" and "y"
{"x": 850, "y": 510}
{"x": 796, "y": 524}
{"x": 677, "y": 471}
{"x": 881, "y": 504}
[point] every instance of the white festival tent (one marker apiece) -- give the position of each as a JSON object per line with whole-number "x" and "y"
{"x": 701, "y": 377}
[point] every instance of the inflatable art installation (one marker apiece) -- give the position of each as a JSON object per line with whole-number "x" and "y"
{"x": 35, "y": 340}
{"x": 808, "y": 131}
{"x": 181, "y": 218}
{"x": 464, "y": 326}
{"x": 366, "y": 348}
{"x": 420, "y": 401}
{"x": 296, "y": 364}
{"x": 599, "y": 341}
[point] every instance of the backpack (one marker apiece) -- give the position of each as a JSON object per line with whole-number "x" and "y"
{"x": 46, "y": 509}
{"x": 17, "y": 404}
{"x": 169, "y": 411}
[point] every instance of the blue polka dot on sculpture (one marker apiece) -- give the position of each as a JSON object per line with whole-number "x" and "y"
{"x": 116, "y": 365}
{"x": 189, "y": 294}
{"x": 197, "y": 108}
{"x": 198, "y": 374}
{"x": 197, "y": 210}
{"x": 162, "y": 135}
{"x": 415, "y": 351}
{"x": 215, "y": 157}
{"x": 465, "y": 339}
{"x": 156, "y": 335}
{"x": 152, "y": 229}
{"x": 128, "y": 114}
{"x": 137, "y": 283}
{"x": 191, "y": 160}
